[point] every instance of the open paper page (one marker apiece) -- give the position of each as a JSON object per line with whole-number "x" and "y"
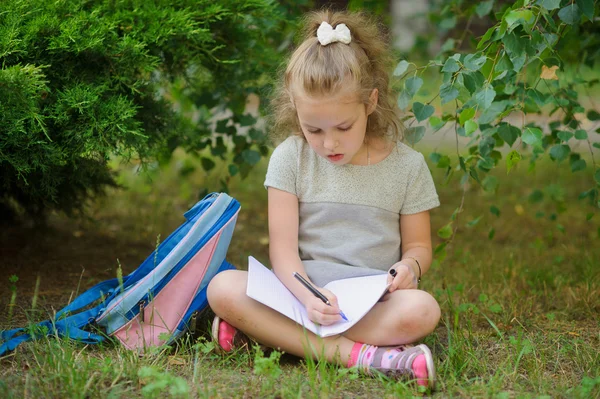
{"x": 266, "y": 288}
{"x": 356, "y": 296}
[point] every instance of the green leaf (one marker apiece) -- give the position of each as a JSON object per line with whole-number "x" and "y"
{"x": 401, "y": 68}
{"x": 512, "y": 159}
{"x": 451, "y": 65}
{"x": 581, "y": 134}
{"x": 539, "y": 98}
{"x": 486, "y": 37}
{"x": 246, "y": 120}
{"x": 494, "y": 210}
{"x": 492, "y": 112}
{"x": 207, "y": 163}
{"x": 549, "y": 4}
{"x": 532, "y": 136}
{"x": 422, "y": 111}
{"x": 221, "y": 126}
{"x": 470, "y": 127}
{"x": 473, "y": 81}
{"x": 504, "y": 64}
{"x": 484, "y": 97}
{"x": 570, "y": 14}
{"x": 587, "y": 7}
{"x": 413, "y": 85}
{"x": 491, "y": 233}
{"x": 474, "y": 62}
{"x": 436, "y": 122}
{"x": 518, "y": 61}
{"x": 597, "y": 176}
{"x": 466, "y": 114}
{"x": 509, "y": 133}
{"x": 596, "y": 145}
{"x": 448, "y": 92}
{"x": 559, "y": 152}
{"x": 233, "y": 170}
{"x": 593, "y": 115}
{"x": 484, "y": 8}
{"x": 404, "y": 99}
{"x": 515, "y": 18}
{"x": 474, "y": 221}
{"x": 444, "y": 162}
{"x": 589, "y": 216}
{"x": 577, "y": 165}
{"x": 447, "y": 46}
{"x": 415, "y": 134}
{"x": 251, "y": 157}
{"x": 490, "y": 183}
{"x": 445, "y": 232}
{"x": 515, "y": 45}
{"x": 565, "y": 136}
{"x": 448, "y": 23}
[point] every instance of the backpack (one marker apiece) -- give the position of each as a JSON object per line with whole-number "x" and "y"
{"x": 158, "y": 301}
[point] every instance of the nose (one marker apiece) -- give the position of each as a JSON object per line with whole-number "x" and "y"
{"x": 330, "y": 143}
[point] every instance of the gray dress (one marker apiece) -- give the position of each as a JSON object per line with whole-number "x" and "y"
{"x": 350, "y": 214}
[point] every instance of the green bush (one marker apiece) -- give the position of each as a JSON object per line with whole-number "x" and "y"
{"x": 81, "y": 81}
{"x": 518, "y": 82}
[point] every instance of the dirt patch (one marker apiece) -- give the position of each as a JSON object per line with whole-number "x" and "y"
{"x": 64, "y": 256}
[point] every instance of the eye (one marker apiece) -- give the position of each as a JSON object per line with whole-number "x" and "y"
{"x": 345, "y": 129}
{"x": 313, "y": 131}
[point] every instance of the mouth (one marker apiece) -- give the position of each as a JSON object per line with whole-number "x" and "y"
{"x": 335, "y": 157}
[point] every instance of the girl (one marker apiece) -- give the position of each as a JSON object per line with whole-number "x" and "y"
{"x": 346, "y": 199}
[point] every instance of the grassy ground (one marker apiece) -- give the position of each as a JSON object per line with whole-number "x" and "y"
{"x": 519, "y": 294}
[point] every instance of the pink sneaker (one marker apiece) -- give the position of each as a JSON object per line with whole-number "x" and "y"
{"x": 227, "y": 337}
{"x": 404, "y": 361}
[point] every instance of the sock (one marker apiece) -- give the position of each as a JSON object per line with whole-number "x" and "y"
{"x": 362, "y": 355}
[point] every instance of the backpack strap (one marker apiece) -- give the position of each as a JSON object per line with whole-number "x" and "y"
{"x": 106, "y": 288}
{"x": 12, "y": 340}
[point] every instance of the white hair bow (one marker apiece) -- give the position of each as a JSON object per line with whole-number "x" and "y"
{"x": 326, "y": 34}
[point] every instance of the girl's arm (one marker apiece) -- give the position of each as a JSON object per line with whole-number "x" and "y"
{"x": 283, "y": 252}
{"x": 415, "y": 231}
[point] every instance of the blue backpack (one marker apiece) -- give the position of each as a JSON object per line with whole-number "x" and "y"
{"x": 157, "y": 302}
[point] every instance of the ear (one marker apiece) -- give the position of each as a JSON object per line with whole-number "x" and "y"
{"x": 373, "y": 97}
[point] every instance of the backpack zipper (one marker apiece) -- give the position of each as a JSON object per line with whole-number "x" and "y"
{"x": 193, "y": 321}
{"x": 141, "y": 304}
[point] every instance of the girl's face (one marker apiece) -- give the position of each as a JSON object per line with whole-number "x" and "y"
{"x": 335, "y": 126}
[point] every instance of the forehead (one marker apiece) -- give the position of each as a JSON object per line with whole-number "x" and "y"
{"x": 334, "y": 107}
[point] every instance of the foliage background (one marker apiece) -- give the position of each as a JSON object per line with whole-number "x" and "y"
{"x": 82, "y": 81}
{"x": 516, "y": 271}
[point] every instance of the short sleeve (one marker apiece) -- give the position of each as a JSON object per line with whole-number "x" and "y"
{"x": 420, "y": 193}
{"x": 282, "y": 170}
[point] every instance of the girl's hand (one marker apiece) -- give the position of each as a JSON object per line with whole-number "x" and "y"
{"x": 405, "y": 278}
{"x": 321, "y": 313}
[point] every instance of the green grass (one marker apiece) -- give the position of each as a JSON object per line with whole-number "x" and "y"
{"x": 519, "y": 310}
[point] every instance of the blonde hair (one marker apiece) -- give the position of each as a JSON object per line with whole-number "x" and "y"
{"x": 323, "y": 70}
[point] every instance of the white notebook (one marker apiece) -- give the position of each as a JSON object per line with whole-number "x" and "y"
{"x": 356, "y": 296}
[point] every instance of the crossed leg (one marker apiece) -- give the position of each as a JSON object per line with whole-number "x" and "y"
{"x": 401, "y": 317}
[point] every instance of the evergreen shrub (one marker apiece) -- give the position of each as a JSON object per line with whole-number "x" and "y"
{"x": 81, "y": 81}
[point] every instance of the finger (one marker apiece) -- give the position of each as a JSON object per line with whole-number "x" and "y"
{"x": 407, "y": 282}
{"x": 327, "y": 319}
{"x": 395, "y": 282}
{"x": 333, "y": 301}
{"x": 390, "y": 277}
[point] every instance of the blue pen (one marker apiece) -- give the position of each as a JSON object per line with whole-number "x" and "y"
{"x": 316, "y": 292}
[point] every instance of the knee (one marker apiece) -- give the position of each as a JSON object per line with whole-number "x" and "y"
{"x": 425, "y": 314}
{"x": 225, "y": 289}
